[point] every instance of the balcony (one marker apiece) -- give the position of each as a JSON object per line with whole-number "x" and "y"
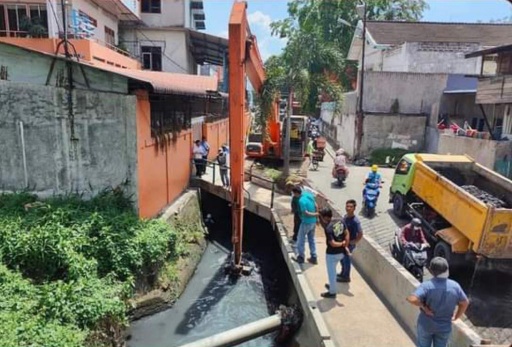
{"x": 93, "y": 51}
{"x": 125, "y": 10}
{"x": 494, "y": 90}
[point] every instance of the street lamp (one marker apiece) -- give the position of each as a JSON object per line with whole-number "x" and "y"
{"x": 361, "y": 11}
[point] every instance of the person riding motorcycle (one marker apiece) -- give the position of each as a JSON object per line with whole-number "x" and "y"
{"x": 412, "y": 233}
{"x": 339, "y": 161}
{"x": 374, "y": 176}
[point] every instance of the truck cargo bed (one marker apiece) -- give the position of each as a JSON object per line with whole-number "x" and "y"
{"x": 473, "y": 199}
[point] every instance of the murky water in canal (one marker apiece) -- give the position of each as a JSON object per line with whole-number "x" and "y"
{"x": 213, "y": 302}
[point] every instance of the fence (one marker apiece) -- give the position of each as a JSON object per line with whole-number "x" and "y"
{"x": 248, "y": 174}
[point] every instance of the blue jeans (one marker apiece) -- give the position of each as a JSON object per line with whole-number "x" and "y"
{"x": 346, "y": 263}
{"x": 428, "y": 339}
{"x": 306, "y": 230}
{"x": 224, "y": 177}
{"x": 331, "y": 260}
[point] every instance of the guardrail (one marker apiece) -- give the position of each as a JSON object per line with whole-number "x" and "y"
{"x": 250, "y": 175}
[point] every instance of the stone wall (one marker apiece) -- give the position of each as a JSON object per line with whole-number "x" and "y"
{"x": 102, "y": 153}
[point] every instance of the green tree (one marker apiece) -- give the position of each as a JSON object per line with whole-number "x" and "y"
{"x": 319, "y": 34}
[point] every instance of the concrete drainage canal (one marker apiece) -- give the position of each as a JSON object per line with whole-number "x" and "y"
{"x": 217, "y": 309}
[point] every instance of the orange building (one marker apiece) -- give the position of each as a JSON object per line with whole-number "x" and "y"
{"x": 126, "y": 127}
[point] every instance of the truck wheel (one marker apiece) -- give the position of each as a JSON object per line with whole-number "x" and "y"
{"x": 399, "y": 206}
{"x": 443, "y": 250}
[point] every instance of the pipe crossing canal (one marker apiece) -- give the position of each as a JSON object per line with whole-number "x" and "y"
{"x": 217, "y": 309}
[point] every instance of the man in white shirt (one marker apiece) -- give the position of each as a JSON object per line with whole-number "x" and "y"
{"x": 198, "y": 154}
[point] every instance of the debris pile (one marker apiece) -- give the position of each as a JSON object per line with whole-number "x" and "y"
{"x": 484, "y": 196}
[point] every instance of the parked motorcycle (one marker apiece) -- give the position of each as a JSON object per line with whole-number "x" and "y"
{"x": 340, "y": 173}
{"x": 413, "y": 257}
{"x": 371, "y": 193}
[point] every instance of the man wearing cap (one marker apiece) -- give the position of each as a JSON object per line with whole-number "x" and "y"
{"x": 374, "y": 175}
{"x": 437, "y": 300}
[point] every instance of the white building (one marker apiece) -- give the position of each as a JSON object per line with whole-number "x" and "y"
{"x": 166, "y": 38}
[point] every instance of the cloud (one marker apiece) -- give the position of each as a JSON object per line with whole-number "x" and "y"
{"x": 260, "y": 19}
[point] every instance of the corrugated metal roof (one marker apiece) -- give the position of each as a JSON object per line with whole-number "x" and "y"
{"x": 160, "y": 82}
{"x": 394, "y": 32}
{"x": 459, "y": 84}
{"x": 169, "y": 83}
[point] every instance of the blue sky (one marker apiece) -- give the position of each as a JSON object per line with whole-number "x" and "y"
{"x": 263, "y": 12}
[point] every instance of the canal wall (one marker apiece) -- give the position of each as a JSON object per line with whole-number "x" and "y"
{"x": 381, "y": 271}
{"x": 393, "y": 283}
{"x": 314, "y": 331}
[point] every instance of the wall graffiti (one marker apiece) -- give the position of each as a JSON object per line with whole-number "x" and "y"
{"x": 402, "y": 141}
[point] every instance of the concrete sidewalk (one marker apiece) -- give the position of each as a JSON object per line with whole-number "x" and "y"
{"x": 357, "y": 317}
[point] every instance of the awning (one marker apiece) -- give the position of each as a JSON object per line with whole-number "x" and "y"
{"x": 461, "y": 84}
{"x": 206, "y": 48}
{"x": 494, "y": 50}
{"x": 170, "y": 83}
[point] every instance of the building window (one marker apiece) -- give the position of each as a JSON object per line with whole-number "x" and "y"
{"x": 110, "y": 36}
{"x": 20, "y": 20}
{"x": 151, "y": 58}
{"x": 170, "y": 114}
{"x": 151, "y": 6}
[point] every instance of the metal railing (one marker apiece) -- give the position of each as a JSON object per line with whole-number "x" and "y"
{"x": 213, "y": 165}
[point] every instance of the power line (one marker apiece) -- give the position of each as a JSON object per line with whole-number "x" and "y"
{"x": 163, "y": 53}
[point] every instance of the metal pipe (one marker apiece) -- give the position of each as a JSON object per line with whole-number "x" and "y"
{"x": 23, "y": 153}
{"x": 241, "y": 334}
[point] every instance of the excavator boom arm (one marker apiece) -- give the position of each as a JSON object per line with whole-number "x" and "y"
{"x": 244, "y": 60}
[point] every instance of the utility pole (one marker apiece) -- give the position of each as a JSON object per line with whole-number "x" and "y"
{"x": 360, "y": 112}
{"x": 288, "y": 125}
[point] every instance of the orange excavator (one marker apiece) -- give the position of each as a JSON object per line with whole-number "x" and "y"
{"x": 244, "y": 61}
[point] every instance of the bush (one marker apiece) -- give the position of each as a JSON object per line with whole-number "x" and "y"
{"x": 69, "y": 265}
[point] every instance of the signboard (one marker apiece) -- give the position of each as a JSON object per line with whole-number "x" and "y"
{"x": 82, "y": 25}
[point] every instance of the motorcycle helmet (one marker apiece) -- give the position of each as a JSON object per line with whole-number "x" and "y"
{"x": 416, "y": 223}
{"x": 340, "y": 151}
{"x": 375, "y": 168}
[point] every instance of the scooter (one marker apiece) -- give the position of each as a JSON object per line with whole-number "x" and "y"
{"x": 371, "y": 193}
{"x": 413, "y": 257}
{"x": 340, "y": 173}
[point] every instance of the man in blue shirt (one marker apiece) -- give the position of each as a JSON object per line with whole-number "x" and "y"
{"x": 307, "y": 212}
{"x": 437, "y": 300}
{"x": 356, "y": 234}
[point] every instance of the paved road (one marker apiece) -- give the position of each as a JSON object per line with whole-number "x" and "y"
{"x": 383, "y": 225}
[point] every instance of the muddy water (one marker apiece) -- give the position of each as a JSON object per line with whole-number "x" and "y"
{"x": 213, "y": 302}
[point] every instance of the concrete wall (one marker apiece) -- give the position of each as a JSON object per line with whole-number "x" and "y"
{"x": 439, "y": 57}
{"x": 103, "y": 17}
{"x": 424, "y": 57}
{"x": 173, "y": 15}
{"x": 485, "y": 152}
{"x": 103, "y": 154}
{"x": 416, "y": 92}
{"x": 340, "y": 126}
{"x": 393, "y": 131}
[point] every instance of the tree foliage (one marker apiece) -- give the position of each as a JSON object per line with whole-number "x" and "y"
{"x": 319, "y": 34}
